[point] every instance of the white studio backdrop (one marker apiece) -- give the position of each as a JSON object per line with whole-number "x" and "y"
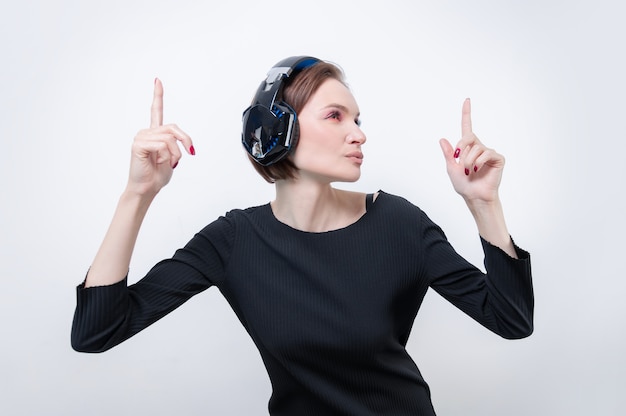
{"x": 547, "y": 88}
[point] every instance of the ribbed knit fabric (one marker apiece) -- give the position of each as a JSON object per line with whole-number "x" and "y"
{"x": 329, "y": 312}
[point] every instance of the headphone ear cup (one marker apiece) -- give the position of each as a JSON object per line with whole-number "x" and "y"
{"x": 270, "y": 127}
{"x": 295, "y": 135}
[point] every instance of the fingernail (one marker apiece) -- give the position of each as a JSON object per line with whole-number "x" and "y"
{"x": 475, "y": 168}
{"x": 175, "y": 164}
{"x": 192, "y": 150}
{"x": 155, "y": 80}
{"x": 466, "y": 171}
{"x": 457, "y": 152}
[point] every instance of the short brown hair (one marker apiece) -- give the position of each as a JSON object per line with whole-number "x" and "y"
{"x": 297, "y": 93}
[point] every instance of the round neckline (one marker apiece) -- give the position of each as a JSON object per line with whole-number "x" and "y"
{"x": 369, "y": 203}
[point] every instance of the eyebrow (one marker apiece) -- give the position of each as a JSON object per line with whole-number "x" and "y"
{"x": 340, "y": 107}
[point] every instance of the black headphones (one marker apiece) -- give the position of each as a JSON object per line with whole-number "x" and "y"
{"x": 270, "y": 127}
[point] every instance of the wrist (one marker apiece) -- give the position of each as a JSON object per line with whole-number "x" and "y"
{"x": 489, "y": 218}
{"x": 138, "y": 202}
{"x": 482, "y": 207}
{"x": 138, "y": 193}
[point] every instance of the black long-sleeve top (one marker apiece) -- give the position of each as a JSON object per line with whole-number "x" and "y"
{"x": 329, "y": 312}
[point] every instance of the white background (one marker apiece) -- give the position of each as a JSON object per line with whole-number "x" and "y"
{"x": 546, "y": 80}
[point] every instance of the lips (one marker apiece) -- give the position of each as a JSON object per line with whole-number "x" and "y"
{"x": 357, "y": 157}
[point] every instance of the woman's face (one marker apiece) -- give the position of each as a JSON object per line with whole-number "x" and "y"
{"x": 329, "y": 148}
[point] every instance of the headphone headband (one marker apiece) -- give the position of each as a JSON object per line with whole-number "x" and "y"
{"x": 269, "y": 124}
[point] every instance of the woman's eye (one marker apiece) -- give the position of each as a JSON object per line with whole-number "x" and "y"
{"x": 335, "y": 115}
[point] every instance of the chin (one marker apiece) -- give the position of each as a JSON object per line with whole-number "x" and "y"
{"x": 349, "y": 178}
{"x": 337, "y": 175}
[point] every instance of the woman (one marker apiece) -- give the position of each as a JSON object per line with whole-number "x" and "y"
{"x": 326, "y": 282}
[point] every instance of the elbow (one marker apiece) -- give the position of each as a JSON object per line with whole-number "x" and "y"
{"x": 85, "y": 345}
{"x": 519, "y": 334}
{"x": 78, "y": 347}
{"x": 518, "y": 322}
{"x": 528, "y": 329}
{"x": 91, "y": 342}
{"x": 88, "y": 336}
{"x": 522, "y": 328}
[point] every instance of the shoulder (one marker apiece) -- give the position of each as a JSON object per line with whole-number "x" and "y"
{"x": 394, "y": 202}
{"x": 399, "y": 210}
{"x": 405, "y": 220}
{"x": 393, "y": 213}
{"x": 239, "y": 214}
{"x": 227, "y": 224}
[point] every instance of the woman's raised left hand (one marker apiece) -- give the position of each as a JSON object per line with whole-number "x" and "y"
{"x": 474, "y": 169}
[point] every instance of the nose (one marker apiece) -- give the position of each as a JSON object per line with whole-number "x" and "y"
{"x": 356, "y": 136}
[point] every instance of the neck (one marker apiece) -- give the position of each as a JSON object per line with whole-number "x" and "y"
{"x": 315, "y": 207}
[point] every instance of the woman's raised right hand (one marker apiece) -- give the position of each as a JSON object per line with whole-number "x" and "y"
{"x": 155, "y": 151}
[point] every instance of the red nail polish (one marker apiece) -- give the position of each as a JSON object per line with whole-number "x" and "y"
{"x": 457, "y": 152}
{"x": 175, "y": 164}
{"x": 475, "y": 168}
{"x": 466, "y": 171}
{"x": 192, "y": 150}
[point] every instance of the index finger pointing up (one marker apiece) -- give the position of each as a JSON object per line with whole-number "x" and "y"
{"x": 156, "y": 111}
{"x": 466, "y": 118}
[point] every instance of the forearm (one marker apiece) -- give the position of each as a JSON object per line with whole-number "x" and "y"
{"x": 113, "y": 257}
{"x": 489, "y": 217}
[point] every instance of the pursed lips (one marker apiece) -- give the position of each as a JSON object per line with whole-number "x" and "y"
{"x": 356, "y": 156}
